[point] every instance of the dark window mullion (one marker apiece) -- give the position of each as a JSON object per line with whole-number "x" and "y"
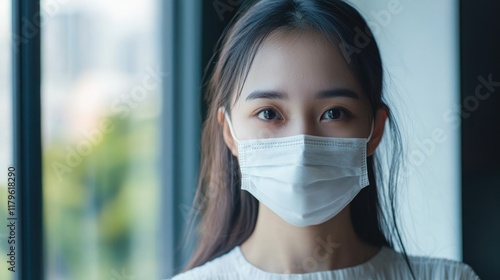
{"x": 27, "y": 138}
{"x": 181, "y": 132}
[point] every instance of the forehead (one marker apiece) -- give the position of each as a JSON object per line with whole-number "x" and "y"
{"x": 301, "y": 62}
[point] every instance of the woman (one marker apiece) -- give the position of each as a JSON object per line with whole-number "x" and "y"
{"x": 291, "y": 184}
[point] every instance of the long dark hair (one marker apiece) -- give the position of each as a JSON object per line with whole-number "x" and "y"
{"x": 227, "y": 215}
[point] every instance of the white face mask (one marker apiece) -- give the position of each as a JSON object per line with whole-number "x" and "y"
{"x": 304, "y": 179}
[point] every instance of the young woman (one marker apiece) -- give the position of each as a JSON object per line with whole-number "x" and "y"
{"x": 291, "y": 183}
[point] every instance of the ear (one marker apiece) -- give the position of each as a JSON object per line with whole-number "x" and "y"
{"x": 378, "y": 130}
{"x": 226, "y": 133}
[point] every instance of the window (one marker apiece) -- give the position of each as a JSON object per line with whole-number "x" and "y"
{"x": 98, "y": 137}
{"x": 101, "y": 109}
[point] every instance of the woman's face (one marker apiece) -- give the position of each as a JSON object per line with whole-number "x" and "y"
{"x": 299, "y": 83}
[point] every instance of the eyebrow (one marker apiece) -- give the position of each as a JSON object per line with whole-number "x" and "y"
{"x": 266, "y": 94}
{"x": 272, "y": 94}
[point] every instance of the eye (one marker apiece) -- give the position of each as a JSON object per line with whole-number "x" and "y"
{"x": 268, "y": 114}
{"x": 335, "y": 114}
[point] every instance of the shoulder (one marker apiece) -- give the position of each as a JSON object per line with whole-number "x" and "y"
{"x": 434, "y": 268}
{"x": 221, "y": 268}
{"x": 428, "y": 267}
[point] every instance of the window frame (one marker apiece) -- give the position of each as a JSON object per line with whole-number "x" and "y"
{"x": 181, "y": 131}
{"x": 180, "y": 137}
{"x": 26, "y": 83}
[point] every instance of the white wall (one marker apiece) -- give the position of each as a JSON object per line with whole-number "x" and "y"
{"x": 419, "y": 45}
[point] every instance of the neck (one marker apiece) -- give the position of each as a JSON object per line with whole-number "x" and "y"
{"x": 278, "y": 247}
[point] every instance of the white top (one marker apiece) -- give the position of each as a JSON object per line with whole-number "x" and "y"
{"x": 386, "y": 264}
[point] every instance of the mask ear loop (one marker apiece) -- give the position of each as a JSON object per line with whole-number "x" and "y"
{"x": 228, "y": 119}
{"x": 371, "y": 132}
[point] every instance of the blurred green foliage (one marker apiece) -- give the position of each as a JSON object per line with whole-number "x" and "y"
{"x": 100, "y": 219}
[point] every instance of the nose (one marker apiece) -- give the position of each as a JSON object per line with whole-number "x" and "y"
{"x": 304, "y": 125}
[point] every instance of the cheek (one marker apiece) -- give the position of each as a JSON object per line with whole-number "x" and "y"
{"x": 352, "y": 129}
{"x": 264, "y": 132}
{"x": 361, "y": 129}
{"x": 362, "y": 123}
{"x": 250, "y": 130}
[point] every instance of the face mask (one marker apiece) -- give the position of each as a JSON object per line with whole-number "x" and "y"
{"x": 304, "y": 179}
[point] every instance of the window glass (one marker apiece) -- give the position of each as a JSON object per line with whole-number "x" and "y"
{"x": 101, "y": 89}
